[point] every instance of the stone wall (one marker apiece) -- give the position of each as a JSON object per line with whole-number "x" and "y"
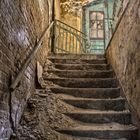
{"x": 124, "y": 54}
{"x": 21, "y": 25}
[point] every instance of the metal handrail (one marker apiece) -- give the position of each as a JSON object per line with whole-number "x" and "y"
{"x": 69, "y": 39}
{"x": 71, "y": 32}
{"x": 30, "y": 57}
{"x": 71, "y": 27}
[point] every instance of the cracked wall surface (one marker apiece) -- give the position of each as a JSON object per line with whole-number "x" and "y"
{"x": 124, "y": 54}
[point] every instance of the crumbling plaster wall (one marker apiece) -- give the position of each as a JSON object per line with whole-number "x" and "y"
{"x": 123, "y": 53}
{"x": 21, "y": 24}
{"x": 71, "y": 12}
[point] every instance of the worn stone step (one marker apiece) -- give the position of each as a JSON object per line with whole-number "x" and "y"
{"x": 111, "y": 131}
{"x": 85, "y": 82}
{"x": 81, "y": 66}
{"x": 68, "y": 137}
{"x": 117, "y": 104}
{"x": 74, "y": 60}
{"x": 89, "y": 91}
{"x": 80, "y": 73}
{"x": 78, "y": 56}
{"x": 97, "y": 116}
{"x": 98, "y": 93}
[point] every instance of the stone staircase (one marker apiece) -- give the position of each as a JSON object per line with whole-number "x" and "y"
{"x": 87, "y": 84}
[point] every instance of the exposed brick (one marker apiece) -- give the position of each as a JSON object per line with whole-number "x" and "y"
{"x": 4, "y": 106}
{"x": 21, "y": 23}
{"x": 4, "y": 114}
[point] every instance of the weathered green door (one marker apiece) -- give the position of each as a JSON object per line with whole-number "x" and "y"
{"x": 97, "y": 24}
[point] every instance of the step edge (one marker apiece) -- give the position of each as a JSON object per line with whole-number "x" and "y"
{"x": 59, "y": 70}
{"x": 88, "y": 99}
{"x": 128, "y": 127}
{"x": 66, "y": 78}
{"x": 95, "y": 112}
{"x": 78, "y": 64}
{"x": 64, "y": 58}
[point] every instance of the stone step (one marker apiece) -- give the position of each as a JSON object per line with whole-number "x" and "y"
{"x": 98, "y": 93}
{"x": 78, "y": 61}
{"x": 89, "y": 92}
{"x": 85, "y": 82}
{"x": 117, "y": 104}
{"x": 68, "y": 137}
{"x": 78, "y": 56}
{"x": 81, "y": 66}
{"x": 80, "y": 73}
{"x": 97, "y": 116}
{"x": 111, "y": 131}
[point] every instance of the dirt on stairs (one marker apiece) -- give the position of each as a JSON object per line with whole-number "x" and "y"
{"x": 91, "y": 92}
{"x": 86, "y": 102}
